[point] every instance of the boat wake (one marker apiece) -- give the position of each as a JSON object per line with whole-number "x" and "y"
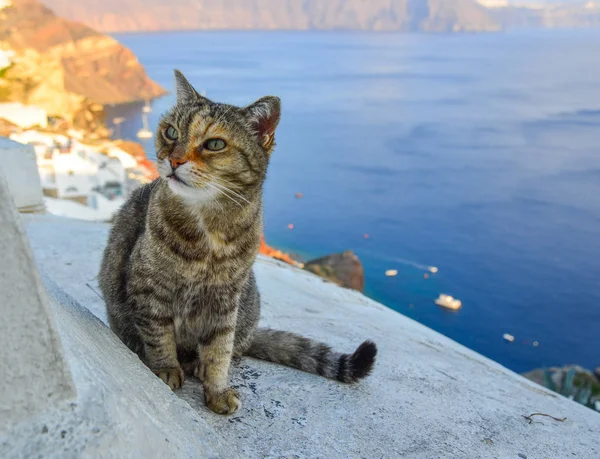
{"x": 402, "y": 261}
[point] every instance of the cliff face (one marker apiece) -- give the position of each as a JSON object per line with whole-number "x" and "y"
{"x": 551, "y": 17}
{"x": 393, "y": 15}
{"x": 457, "y": 16}
{"x": 64, "y": 66}
{"x": 344, "y": 269}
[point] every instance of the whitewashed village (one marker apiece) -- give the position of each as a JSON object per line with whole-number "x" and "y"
{"x": 80, "y": 179}
{"x": 83, "y": 175}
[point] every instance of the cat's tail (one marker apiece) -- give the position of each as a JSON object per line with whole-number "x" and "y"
{"x": 311, "y": 356}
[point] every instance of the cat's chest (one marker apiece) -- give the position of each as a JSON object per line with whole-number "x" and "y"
{"x": 197, "y": 308}
{"x": 217, "y": 243}
{"x": 192, "y": 252}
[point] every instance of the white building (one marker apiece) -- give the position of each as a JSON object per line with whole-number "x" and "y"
{"x": 66, "y": 164}
{"x": 125, "y": 158}
{"x": 73, "y": 176}
{"x": 97, "y": 177}
{"x": 65, "y": 168}
{"x": 32, "y": 136}
{"x": 24, "y": 116}
{"x": 42, "y": 143}
{"x": 5, "y": 55}
{"x": 112, "y": 169}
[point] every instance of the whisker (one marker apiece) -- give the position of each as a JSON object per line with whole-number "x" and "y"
{"x": 227, "y": 196}
{"x": 237, "y": 195}
{"x": 220, "y": 182}
{"x": 223, "y": 190}
{"x": 217, "y": 181}
{"x": 218, "y": 191}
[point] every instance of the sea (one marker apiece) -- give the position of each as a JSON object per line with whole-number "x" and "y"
{"x": 478, "y": 154}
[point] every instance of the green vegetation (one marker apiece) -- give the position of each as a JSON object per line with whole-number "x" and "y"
{"x": 580, "y": 387}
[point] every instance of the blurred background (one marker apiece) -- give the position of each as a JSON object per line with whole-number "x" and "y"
{"x": 439, "y": 155}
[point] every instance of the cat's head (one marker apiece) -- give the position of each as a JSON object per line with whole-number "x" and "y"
{"x": 206, "y": 150}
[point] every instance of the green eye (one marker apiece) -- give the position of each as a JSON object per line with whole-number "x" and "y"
{"x": 215, "y": 144}
{"x": 171, "y": 133}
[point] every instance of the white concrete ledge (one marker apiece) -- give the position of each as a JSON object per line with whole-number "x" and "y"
{"x": 18, "y": 164}
{"x": 120, "y": 409}
{"x": 33, "y": 373}
{"x": 428, "y": 396}
{"x": 89, "y": 397}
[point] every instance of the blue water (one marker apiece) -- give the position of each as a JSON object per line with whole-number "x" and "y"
{"x": 478, "y": 154}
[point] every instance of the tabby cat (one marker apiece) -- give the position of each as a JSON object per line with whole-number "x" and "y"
{"x": 177, "y": 272}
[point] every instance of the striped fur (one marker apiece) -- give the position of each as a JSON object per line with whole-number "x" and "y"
{"x": 311, "y": 356}
{"x": 177, "y": 270}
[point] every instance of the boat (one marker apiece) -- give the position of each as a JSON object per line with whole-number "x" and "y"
{"x": 447, "y": 301}
{"x": 117, "y": 122}
{"x": 147, "y": 108}
{"x": 508, "y": 337}
{"x": 433, "y": 269}
{"x": 144, "y": 133}
{"x": 391, "y": 272}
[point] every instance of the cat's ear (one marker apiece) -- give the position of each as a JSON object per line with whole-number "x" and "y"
{"x": 263, "y": 118}
{"x": 185, "y": 91}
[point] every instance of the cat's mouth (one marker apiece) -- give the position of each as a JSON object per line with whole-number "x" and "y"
{"x": 176, "y": 178}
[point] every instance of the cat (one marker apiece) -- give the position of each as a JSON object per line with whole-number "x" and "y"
{"x": 177, "y": 274}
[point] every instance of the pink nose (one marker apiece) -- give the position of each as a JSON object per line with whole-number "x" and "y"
{"x": 176, "y": 162}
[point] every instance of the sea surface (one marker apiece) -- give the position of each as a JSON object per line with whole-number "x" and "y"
{"x": 477, "y": 154}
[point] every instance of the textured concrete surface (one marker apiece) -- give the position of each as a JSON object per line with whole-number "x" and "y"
{"x": 89, "y": 397}
{"x": 428, "y": 396}
{"x": 121, "y": 410}
{"x": 18, "y": 163}
{"x": 33, "y": 374}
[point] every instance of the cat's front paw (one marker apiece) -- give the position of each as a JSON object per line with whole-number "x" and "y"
{"x": 172, "y": 377}
{"x": 226, "y": 402}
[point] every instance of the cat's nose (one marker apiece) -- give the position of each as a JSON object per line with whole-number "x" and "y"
{"x": 176, "y": 162}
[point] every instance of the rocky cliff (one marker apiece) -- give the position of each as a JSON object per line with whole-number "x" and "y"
{"x": 552, "y": 16}
{"x": 392, "y": 15}
{"x": 344, "y": 269}
{"x": 66, "y": 67}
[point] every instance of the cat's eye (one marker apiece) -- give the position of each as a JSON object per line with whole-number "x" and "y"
{"x": 215, "y": 144}
{"x": 171, "y": 133}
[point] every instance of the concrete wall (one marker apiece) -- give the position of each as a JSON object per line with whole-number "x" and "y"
{"x": 17, "y": 162}
{"x": 33, "y": 371}
{"x": 93, "y": 398}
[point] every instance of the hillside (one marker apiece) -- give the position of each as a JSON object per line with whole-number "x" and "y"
{"x": 392, "y": 15}
{"x": 65, "y": 67}
{"x": 553, "y": 16}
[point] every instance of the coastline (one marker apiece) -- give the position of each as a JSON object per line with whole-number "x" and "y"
{"x": 291, "y": 254}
